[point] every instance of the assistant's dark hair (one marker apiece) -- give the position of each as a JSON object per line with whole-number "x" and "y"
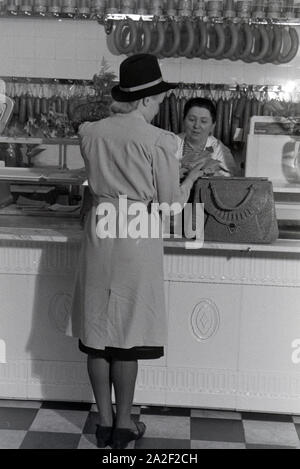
{"x": 201, "y": 102}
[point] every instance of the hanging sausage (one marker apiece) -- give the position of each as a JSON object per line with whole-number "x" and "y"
{"x": 126, "y": 44}
{"x": 261, "y": 44}
{"x": 294, "y": 39}
{"x": 182, "y": 103}
{"x": 246, "y": 40}
{"x": 157, "y": 38}
{"x": 174, "y": 125}
{"x": 172, "y": 38}
{"x": 201, "y": 40}
{"x": 225, "y": 137}
{"x": 187, "y": 37}
{"x": 216, "y": 35}
{"x": 144, "y": 37}
{"x": 219, "y": 118}
{"x": 231, "y": 40}
{"x": 275, "y": 44}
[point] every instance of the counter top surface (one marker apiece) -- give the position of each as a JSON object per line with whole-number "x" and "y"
{"x": 40, "y": 229}
{"x": 47, "y": 229}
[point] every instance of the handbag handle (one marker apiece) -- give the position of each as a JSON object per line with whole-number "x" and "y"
{"x": 227, "y": 207}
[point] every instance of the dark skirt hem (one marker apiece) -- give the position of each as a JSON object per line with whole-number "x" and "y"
{"x": 134, "y": 353}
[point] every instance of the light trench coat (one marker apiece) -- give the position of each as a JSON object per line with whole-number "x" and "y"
{"x": 119, "y": 297}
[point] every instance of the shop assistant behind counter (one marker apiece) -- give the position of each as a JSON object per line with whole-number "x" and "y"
{"x": 198, "y": 143}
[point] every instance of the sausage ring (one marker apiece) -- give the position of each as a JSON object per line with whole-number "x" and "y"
{"x": 261, "y": 44}
{"x": 201, "y": 38}
{"x": 120, "y": 43}
{"x": 111, "y": 43}
{"x": 171, "y": 28}
{"x": 195, "y": 47}
{"x": 220, "y": 41}
{"x": 185, "y": 49}
{"x": 234, "y": 40}
{"x": 284, "y": 59}
{"x": 157, "y": 38}
{"x": 277, "y": 44}
{"x": 255, "y": 44}
{"x": 275, "y": 37}
{"x": 270, "y": 48}
{"x": 143, "y": 37}
{"x": 246, "y": 38}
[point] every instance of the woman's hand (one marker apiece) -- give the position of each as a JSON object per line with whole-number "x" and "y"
{"x": 211, "y": 167}
{"x": 195, "y": 173}
{"x": 183, "y": 172}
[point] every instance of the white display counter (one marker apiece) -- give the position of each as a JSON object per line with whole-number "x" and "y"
{"x": 233, "y": 314}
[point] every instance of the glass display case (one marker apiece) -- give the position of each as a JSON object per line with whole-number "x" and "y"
{"x": 273, "y": 151}
{"x": 41, "y": 178}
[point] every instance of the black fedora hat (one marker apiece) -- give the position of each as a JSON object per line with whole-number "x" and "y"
{"x": 140, "y": 76}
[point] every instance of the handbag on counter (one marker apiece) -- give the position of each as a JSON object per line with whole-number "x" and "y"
{"x": 237, "y": 209}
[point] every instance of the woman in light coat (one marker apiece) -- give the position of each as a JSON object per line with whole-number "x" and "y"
{"x": 119, "y": 307}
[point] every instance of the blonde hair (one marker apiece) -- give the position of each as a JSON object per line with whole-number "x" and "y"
{"x": 123, "y": 108}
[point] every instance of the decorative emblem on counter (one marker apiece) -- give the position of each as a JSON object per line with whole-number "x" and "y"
{"x": 205, "y": 319}
{"x": 59, "y": 311}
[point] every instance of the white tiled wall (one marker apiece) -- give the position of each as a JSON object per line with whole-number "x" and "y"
{"x": 74, "y": 49}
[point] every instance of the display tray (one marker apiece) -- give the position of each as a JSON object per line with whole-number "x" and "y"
{"x": 50, "y": 174}
{"x": 57, "y": 212}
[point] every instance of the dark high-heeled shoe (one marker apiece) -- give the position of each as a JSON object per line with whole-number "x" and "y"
{"x": 104, "y": 436}
{"x": 104, "y": 433}
{"x": 121, "y": 437}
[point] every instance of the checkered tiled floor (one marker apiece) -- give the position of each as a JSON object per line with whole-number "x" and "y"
{"x": 60, "y": 425}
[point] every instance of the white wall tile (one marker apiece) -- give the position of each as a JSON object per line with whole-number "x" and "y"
{"x": 66, "y": 68}
{"x": 22, "y": 27}
{"x": 24, "y": 47}
{"x": 89, "y": 49}
{"x": 7, "y": 68}
{"x": 9, "y": 27}
{"x": 65, "y": 49}
{"x": 44, "y": 48}
{"x": 90, "y": 30}
{"x": 279, "y": 74}
{"x": 25, "y": 68}
{"x": 65, "y": 28}
{"x": 6, "y": 47}
{"x": 171, "y": 70}
{"x": 193, "y": 72}
{"x": 85, "y": 69}
{"x": 47, "y": 68}
{"x": 45, "y": 28}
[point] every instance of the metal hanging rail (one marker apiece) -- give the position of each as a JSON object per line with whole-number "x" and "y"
{"x": 135, "y": 17}
{"x": 228, "y": 87}
{"x": 46, "y": 81}
{"x": 182, "y": 85}
{"x": 292, "y": 17}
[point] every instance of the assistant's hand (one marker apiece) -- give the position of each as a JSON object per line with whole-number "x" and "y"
{"x": 211, "y": 167}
